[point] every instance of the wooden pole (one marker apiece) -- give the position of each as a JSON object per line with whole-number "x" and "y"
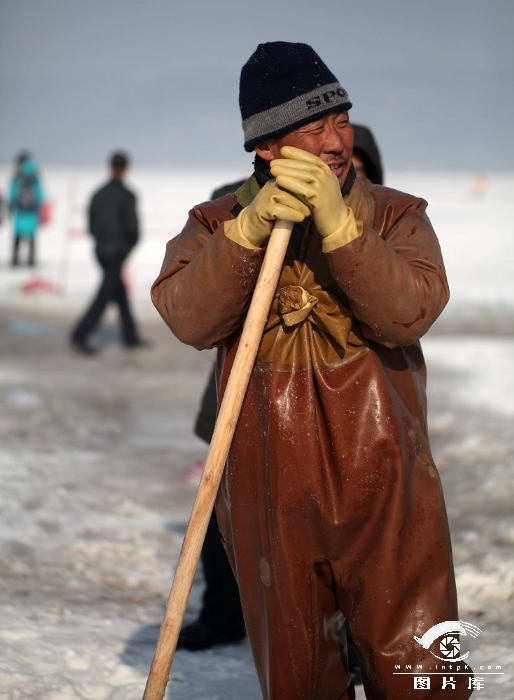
{"x": 216, "y": 458}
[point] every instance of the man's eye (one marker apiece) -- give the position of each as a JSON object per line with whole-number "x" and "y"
{"x": 311, "y": 128}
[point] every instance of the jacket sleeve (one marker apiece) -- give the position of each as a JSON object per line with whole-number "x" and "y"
{"x": 206, "y": 280}
{"x": 92, "y": 217}
{"x": 393, "y": 275}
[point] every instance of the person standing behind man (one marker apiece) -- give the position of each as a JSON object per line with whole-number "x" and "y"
{"x": 25, "y": 201}
{"x": 366, "y": 156}
{"x": 113, "y": 222}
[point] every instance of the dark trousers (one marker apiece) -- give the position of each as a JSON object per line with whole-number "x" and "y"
{"x": 16, "y": 249}
{"x": 111, "y": 289}
{"x": 221, "y": 609}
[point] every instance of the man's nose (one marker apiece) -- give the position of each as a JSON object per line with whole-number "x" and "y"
{"x": 333, "y": 139}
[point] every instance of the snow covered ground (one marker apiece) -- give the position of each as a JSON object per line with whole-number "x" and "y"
{"x": 93, "y": 498}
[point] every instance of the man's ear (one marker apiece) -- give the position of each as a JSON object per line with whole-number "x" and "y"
{"x": 265, "y": 150}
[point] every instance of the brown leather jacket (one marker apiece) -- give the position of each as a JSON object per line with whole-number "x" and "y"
{"x": 392, "y": 277}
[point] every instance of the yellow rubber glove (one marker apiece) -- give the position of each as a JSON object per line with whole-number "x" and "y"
{"x": 256, "y": 220}
{"x": 311, "y": 179}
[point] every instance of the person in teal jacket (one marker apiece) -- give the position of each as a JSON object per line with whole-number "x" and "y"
{"x": 25, "y": 200}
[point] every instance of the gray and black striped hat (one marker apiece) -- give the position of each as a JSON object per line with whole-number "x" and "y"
{"x": 282, "y": 86}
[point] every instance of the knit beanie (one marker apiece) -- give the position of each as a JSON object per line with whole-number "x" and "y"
{"x": 282, "y": 86}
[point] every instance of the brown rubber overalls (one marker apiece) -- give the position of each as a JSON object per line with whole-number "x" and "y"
{"x": 330, "y": 504}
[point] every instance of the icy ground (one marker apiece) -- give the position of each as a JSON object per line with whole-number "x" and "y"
{"x": 93, "y": 499}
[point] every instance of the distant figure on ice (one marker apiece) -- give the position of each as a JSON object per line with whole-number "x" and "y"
{"x": 114, "y": 224}
{"x": 25, "y": 202}
{"x": 479, "y": 188}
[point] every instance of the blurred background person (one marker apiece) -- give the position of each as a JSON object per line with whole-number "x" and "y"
{"x": 25, "y": 203}
{"x": 221, "y": 618}
{"x": 366, "y": 156}
{"x": 113, "y": 222}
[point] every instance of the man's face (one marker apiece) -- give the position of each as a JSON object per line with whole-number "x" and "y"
{"x": 330, "y": 138}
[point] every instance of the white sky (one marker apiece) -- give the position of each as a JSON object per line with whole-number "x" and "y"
{"x": 434, "y": 80}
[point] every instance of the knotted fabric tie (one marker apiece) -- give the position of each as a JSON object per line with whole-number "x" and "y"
{"x": 295, "y": 304}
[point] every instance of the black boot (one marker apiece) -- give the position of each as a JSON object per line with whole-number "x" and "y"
{"x": 197, "y": 636}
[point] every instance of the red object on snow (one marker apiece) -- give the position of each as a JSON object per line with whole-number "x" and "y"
{"x": 38, "y": 284}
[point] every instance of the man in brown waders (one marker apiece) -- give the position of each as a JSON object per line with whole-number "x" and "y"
{"x": 330, "y": 505}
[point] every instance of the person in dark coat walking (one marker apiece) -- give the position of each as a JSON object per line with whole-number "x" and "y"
{"x": 113, "y": 222}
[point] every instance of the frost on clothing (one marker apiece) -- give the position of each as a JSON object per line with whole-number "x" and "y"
{"x": 330, "y": 501}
